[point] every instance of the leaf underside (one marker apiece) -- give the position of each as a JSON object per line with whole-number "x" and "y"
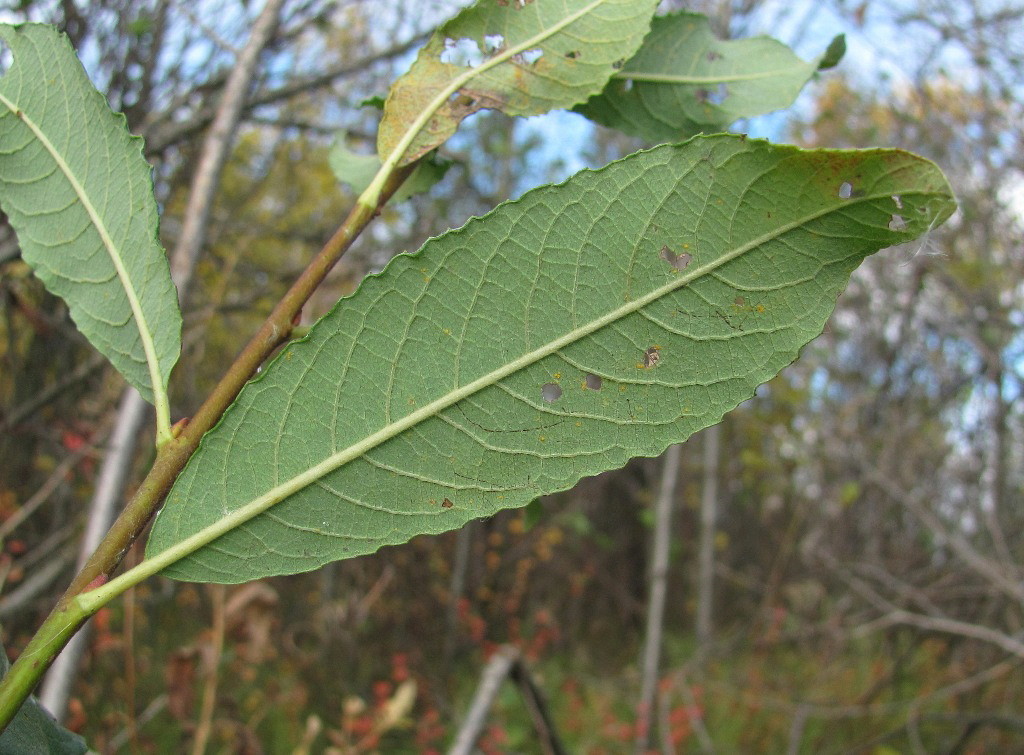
{"x": 705, "y": 83}
{"x": 80, "y": 198}
{"x": 554, "y": 338}
{"x": 541, "y": 63}
{"x": 33, "y": 731}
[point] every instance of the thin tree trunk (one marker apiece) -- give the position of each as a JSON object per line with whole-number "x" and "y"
{"x": 109, "y": 490}
{"x": 131, "y": 413}
{"x": 706, "y": 552}
{"x": 457, "y": 586}
{"x": 656, "y": 602}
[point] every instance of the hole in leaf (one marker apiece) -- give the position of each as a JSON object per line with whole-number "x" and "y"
{"x": 551, "y": 392}
{"x": 897, "y": 223}
{"x": 493, "y": 43}
{"x": 651, "y": 357}
{"x": 898, "y": 201}
{"x": 845, "y": 190}
{"x": 593, "y": 382}
{"x": 627, "y": 85}
{"x": 447, "y": 503}
{"x": 462, "y": 52}
{"x": 678, "y": 261}
{"x": 717, "y": 97}
{"x": 530, "y": 56}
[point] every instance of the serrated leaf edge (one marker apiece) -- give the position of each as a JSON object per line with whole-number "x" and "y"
{"x": 160, "y": 400}
{"x": 277, "y": 494}
{"x": 370, "y": 197}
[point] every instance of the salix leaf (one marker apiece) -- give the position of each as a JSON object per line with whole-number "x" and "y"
{"x": 33, "y": 730}
{"x": 79, "y": 194}
{"x": 684, "y": 81}
{"x": 554, "y": 338}
{"x": 523, "y": 57}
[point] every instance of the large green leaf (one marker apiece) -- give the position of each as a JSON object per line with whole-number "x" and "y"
{"x": 684, "y": 80}
{"x": 554, "y": 338}
{"x": 80, "y": 197}
{"x": 523, "y": 57}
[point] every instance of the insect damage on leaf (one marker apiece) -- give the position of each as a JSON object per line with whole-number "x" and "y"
{"x": 677, "y": 261}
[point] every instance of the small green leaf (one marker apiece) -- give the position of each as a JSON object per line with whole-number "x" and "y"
{"x": 523, "y": 57}
{"x": 685, "y": 81}
{"x": 79, "y": 194}
{"x": 357, "y": 171}
{"x": 350, "y": 168}
{"x": 833, "y": 54}
{"x": 374, "y": 101}
{"x": 554, "y": 338}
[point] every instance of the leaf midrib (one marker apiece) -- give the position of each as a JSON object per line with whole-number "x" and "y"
{"x": 672, "y": 78}
{"x": 370, "y": 196}
{"x": 338, "y": 459}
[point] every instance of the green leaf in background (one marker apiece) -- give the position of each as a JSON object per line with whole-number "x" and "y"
{"x": 357, "y": 171}
{"x": 684, "y": 81}
{"x": 522, "y": 57}
{"x": 79, "y": 194}
{"x": 833, "y": 53}
{"x": 34, "y": 731}
{"x": 554, "y": 338}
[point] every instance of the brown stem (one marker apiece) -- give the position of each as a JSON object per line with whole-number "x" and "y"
{"x": 172, "y": 457}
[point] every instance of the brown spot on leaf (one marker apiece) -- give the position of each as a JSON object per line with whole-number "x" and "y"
{"x": 651, "y": 357}
{"x": 678, "y": 261}
{"x": 446, "y": 504}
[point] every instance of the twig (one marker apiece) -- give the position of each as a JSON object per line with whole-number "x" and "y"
{"x": 158, "y": 140}
{"x": 697, "y": 721}
{"x": 152, "y": 710}
{"x": 205, "y": 723}
{"x": 129, "y": 666}
{"x": 656, "y": 601}
{"x": 42, "y": 495}
{"x": 494, "y": 674}
{"x": 537, "y": 707}
{"x": 45, "y": 396}
{"x": 109, "y": 487}
{"x": 706, "y": 554}
{"x": 67, "y": 617}
{"x": 507, "y": 663}
{"x": 36, "y": 584}
{"x": 959, "y": 544}
{"x": 133, "y": 410}
{"x": 900, "y": 617}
